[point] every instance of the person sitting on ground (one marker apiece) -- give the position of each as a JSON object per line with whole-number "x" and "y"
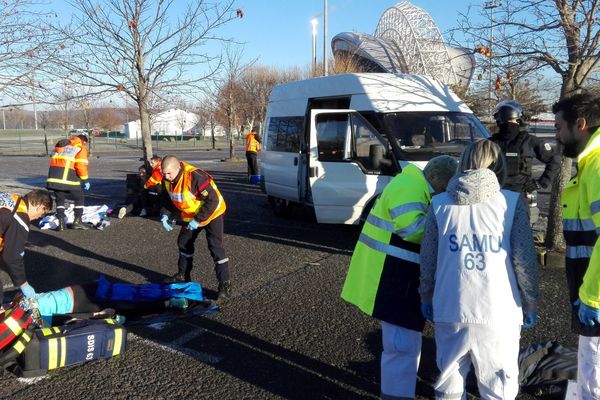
{"x": 145, "y": 201}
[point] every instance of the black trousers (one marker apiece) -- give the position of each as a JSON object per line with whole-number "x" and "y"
{"x": 252, "y": 159}
{"x": 214, "y": 239}
{"x": 76, "y": 194}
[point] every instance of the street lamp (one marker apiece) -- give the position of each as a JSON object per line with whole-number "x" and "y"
{"x": 314, "y": 46}
{"x": 490, "y": 5}
{"x": 325, "y": 38}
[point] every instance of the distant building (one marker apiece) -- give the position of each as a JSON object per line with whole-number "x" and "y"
{"x": 169, "y": 123}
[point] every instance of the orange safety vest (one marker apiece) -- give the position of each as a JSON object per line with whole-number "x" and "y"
{"x": 182, "y": 197}
{"x": 10, "y": 201}
{"x": 155, "y": 178}
{"x": 69, "y": 163}
{"x": 252, "y": 145}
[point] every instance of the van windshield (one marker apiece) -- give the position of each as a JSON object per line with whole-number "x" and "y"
{"x": 424, "y": 133}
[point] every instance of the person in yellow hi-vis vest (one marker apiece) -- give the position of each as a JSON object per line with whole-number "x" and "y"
{"x": 383, "y": 276}
{"x": 252, "y": 150}
{"x": 577, "y": 121}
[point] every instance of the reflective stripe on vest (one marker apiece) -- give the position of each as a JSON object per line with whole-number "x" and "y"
{"x": 186, "y": 201}
{"x": 389, "y": 249}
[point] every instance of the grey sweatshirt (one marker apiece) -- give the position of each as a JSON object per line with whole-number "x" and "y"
{"x": 472, "y": 187}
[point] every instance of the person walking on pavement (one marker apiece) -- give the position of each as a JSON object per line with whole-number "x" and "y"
{"x": 479, "y": 276}
{"x": 577, "y": 121}
{"x": 383, "y": 276}
{"x": 16, "y": 213}
{"x": 67, "y": 175}
{"x": 520, "y": 149}
{"x": 252, "y": 150}
{"x": 194, "y": 193}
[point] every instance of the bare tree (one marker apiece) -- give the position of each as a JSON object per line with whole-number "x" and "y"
{"x": 207, "y": 116}
{"x": 256, "y": 83}
{"x": 230, "y": 94}
{"x": 143, "y": 48}
{"x": 107, "y": 118}
{"x": 26, "y": 44}
{"x": 563, "y": 35}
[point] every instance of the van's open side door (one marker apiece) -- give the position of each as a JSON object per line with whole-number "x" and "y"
{"x": 348, "y": 164}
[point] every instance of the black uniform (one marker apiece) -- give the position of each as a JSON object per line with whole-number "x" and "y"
{"x": 520, "y": 148}
{"x": 14, "y": 230}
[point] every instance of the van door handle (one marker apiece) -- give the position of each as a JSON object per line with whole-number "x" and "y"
{"x": 295, "y": 161}
{"x": 314, "y": 172}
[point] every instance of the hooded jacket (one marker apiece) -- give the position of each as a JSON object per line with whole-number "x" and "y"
{"x": 469, "y": 189}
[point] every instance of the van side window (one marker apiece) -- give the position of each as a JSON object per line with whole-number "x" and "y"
{"x": 364, "y": 139}
{"x": 332, "y": 130}
{"x": 284, "y": 133}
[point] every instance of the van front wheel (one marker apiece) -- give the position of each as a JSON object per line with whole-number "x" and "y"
{"x": 281, "y": 207}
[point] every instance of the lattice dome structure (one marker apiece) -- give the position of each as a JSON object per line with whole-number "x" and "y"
{"x": 407, "y": 40}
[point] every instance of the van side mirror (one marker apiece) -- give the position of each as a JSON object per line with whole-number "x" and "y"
{"x": 377, "y": 157}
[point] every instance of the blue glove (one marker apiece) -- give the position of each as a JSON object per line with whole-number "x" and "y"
{"x": 86, "y": 186}
{"x": 27, "y": 290}
{"x": 427, "y": 311}
{"x": 588, "y": 315}
{"x": 193, "y": 224}
{"x": 165, "y": 223}
{"x": 530, "y": 320}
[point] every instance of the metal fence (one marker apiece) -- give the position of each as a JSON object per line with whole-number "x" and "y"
{"x": 42, "y": 142}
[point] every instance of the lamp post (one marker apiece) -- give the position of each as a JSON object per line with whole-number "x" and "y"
{"x": 314, "y": 46}
{"x": 490, "y": 5}
{"x": 325, "y": 38}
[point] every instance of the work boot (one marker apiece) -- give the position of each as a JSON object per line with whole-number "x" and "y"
{"x": 184, "y": 270}
{"x": 177, "y": 278}
{"x": 224, "y": 291}
{"x": 77, "y": 224}
{"x": 61, "y": 224}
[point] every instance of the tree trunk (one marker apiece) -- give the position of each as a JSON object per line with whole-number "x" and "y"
{"x": 554, "y": 231}
{"x": 212, "y": 136}
{"x": 146, "y": 131}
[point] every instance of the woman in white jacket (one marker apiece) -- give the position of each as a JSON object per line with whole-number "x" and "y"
{"x": 478, "y": 276}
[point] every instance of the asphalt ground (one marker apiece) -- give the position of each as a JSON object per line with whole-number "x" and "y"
{"x": 285, "y": 334}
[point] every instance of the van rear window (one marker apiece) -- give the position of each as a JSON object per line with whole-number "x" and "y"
{"x": 283, "y": 134}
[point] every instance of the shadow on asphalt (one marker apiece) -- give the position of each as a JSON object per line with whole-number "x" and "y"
{"x": 278, "y": 370}
{"x": 40, "y": 265}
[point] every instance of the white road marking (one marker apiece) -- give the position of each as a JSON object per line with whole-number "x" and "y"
{"x": 176, "y": 346}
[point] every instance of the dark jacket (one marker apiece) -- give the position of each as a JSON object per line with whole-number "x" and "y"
{"x": 14, "y": 229}
{"x": 520, "y": 149}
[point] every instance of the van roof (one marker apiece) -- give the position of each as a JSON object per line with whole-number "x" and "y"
{"x": 379, "y": 92}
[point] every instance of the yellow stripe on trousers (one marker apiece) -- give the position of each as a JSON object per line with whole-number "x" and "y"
{"x": 118, "y": 342}
{"x": 52, "y": 353}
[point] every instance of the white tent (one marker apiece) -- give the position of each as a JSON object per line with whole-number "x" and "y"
{"x": 172, "y": 122}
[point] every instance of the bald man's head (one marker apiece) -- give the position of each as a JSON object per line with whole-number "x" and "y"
{"x": 170, "y": 167}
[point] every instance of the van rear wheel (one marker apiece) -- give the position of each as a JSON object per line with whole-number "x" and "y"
{"x": 281, "y": 207}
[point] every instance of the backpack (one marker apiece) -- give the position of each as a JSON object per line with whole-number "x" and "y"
{"x": 545, "y": 368}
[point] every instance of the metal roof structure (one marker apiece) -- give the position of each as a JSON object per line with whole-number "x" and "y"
{"x": 407, "y": 40}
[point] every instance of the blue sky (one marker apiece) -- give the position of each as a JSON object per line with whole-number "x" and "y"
{"x": 278, "y": 32}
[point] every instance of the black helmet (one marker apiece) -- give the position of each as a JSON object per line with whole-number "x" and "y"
{"x": 508, "y": 110}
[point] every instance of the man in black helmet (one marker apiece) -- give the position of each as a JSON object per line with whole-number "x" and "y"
{"x": 520, "y": 148}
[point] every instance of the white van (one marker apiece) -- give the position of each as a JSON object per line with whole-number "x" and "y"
{"x": 333, "y": 143}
